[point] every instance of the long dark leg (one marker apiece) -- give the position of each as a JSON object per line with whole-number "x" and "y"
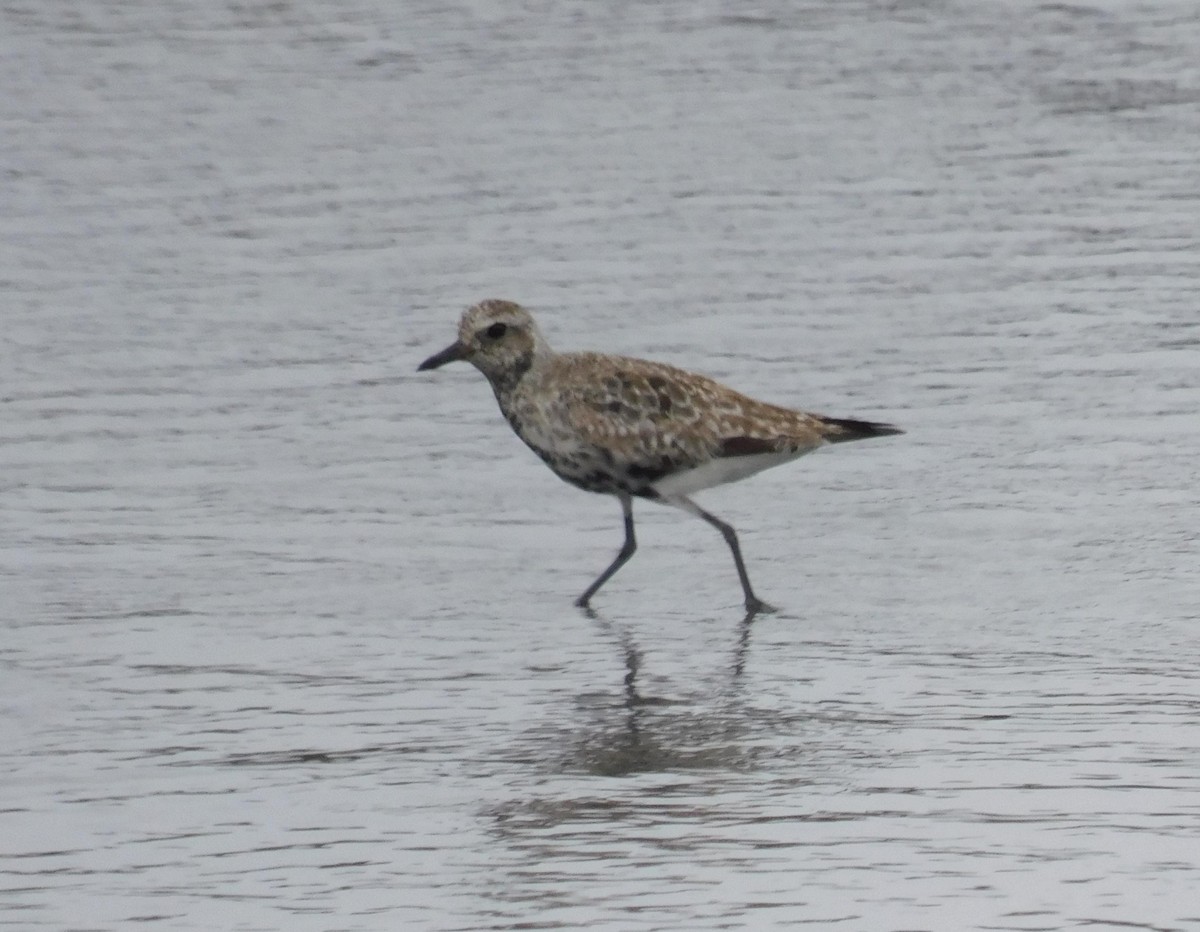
{"x": 627, "y": 550}
{"x": 753, "y": 603}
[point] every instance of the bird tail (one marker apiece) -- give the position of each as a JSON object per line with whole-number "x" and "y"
{"x": 840, "y": 430}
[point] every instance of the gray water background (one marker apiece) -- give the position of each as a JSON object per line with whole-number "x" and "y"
{"x": 287, "y": 634}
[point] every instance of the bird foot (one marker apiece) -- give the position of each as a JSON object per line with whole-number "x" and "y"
{"x": 756, "y": 606}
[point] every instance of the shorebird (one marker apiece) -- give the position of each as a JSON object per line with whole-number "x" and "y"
{"x": 633, "y": 428}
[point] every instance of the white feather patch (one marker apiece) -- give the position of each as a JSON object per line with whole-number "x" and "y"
{"x": 719, "y": 471}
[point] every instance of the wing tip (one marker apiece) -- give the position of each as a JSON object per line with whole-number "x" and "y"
{"x": 841, "y": 429}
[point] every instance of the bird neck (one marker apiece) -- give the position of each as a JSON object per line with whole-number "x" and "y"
{"x": 504, "y": 382}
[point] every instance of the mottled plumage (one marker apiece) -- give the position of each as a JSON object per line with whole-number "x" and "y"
{"x": 633, "y": 428}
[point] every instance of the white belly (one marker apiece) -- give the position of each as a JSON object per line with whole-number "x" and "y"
{"x": 720, "y": 471}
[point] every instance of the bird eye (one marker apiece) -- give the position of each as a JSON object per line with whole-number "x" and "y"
{"x": 496, "y": 331}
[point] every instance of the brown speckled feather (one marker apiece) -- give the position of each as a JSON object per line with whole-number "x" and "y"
{"x": 642, "y": 411}
{"x": 629, "y": 426}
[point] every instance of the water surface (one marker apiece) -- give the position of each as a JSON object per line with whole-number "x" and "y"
{"x": 288, "y": 640}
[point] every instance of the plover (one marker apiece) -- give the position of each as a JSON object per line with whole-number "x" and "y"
{"x": 633, "y": 428}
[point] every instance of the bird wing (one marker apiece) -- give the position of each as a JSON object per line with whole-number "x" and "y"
{"x": 658, "y": 417}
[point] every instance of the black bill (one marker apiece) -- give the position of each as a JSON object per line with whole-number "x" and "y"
{"x": 451, "y": 353}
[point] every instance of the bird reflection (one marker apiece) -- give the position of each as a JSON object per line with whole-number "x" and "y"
{"x": 648, "y": 736}
{"x": 743, "y": 645}
{"x": 633, "y": 656}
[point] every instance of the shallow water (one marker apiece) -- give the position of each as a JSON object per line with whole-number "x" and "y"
{"x": 287, "y": 628}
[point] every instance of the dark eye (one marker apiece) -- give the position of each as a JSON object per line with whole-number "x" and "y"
{"x": 496, "y": 331}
